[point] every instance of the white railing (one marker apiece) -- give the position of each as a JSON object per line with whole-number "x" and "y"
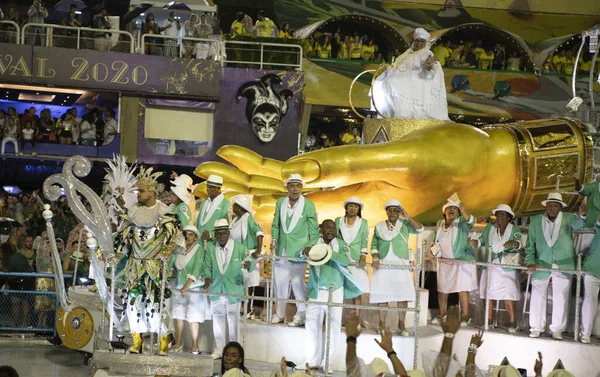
{"x": 202, "y": 48}
{"x": 10, "y": 32}
{"x": 261, "y": 54}
{"x": 79, "y": 38}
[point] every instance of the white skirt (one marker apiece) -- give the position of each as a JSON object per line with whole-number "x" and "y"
{"x": 191, "y": 307}
{"x": 455, "y": 277}
{"x": 504, "y": 285}
{"x": 390, "y": 284}
{"x": 252, "y": 278}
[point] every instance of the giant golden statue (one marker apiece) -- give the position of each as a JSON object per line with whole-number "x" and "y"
{"x": 516, "y": 163}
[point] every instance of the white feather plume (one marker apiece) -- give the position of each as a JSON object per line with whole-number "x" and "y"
{"x": 119, "y": 174}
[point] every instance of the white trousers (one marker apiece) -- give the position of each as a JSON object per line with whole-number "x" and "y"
{"x": 561, "y": 292}
{"x": 283, "y": 271}
{"x": 226, "y": 316}
{"x": 590, "y": 304}
{"x": 10, "y": 140}
{"x": 315, "y": 337}
{"x": 143, "y": 320}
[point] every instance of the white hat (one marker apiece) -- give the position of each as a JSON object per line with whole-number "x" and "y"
{"x": 506, "y": 371}
{"x": 193, "y": 229}
{"x": 392, "y": 203}
{"x": 78, "y": 256}
{"x": 421, "y": 33}
{"x": 560, "y": 373}
{"x": 214, "y": 180}
{"x": 353, "y": 200}
{"x": 294, "y": 178}
{"x": 450, "y": 203}
{"x": 379, "y": 366}
{"x": 182, "y": 186}
{"x": 554, "y": 197}
{"x": 319, "y": 254}
{"x": 503, "y": 207}
{"x": 244, "y": 201}
{"x": 221, "y": 224}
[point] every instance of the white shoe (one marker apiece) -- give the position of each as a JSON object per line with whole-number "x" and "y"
{"x": 557, "y": 335}
{"x": 216, "y": 355}
{"x": 586, "y": 339}
{"x": 297, "y": 322}
{"x": 465, "y": 323}
{"x": 437, "y": 320}
{"x": 512, "y": 330}
{"x": 534, "y": 334}
{"x": 404, "y": 333}
{"x": 276, "y": 319}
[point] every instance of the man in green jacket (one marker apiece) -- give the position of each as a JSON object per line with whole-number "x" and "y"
{"x": 295, "y": 230}
{"x": 215, "y": 207}
{"x": 550, "y": 245}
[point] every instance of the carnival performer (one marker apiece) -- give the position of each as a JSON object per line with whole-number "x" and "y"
{"x": 354, "y": 230}
{"x": 223, "y": 263}
{"x": 390, "y": 246}
{"x": 592, "y": 192}
{"x": 503, "y": 240}
{"x": 591, "y": 283}
{"x": 550, "y": 245}
{"x": 190, "y": 305}
{"x": 413, "y": 87}
{"x": 247, "y": 231}
{"x": 148, "y": 236}
{"x": 181, "y": 187}
{"x": 451, "y": 240}
{"x": 294, "y": 229}
{"x": 326, "y": 260}
{"x": 213, "y": 208}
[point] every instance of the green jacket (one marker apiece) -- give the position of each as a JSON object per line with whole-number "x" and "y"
{"x": 253, "y": 230}
{"x": 321, "y": 277}
{"x": 302, "y": 228}
{"x": 562, "y": 253}
{"x": 592, "y": 192}
{"x": 484, "y": 240}
{"x": 399, "y": 242}
{"x": 462, "y": 250}
{"x": 359, "y": 244}
{"x": 591, "y": 262}
{"x": 192, "y": 270}
{"x": 232, "y": 280}
{"x": 183, "y": 214}
{"x": 206, "y": 220}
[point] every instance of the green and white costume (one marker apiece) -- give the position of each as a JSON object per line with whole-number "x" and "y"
{"x": 210, "y": 211}
{"x": 245, "y": 230}
{"x": 356, "y": 236}
{"x": 454, "y": 277}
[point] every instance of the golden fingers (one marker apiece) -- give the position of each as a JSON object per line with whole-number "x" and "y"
{"x": 251, "y": 162}
{"x": 233, "y": 176}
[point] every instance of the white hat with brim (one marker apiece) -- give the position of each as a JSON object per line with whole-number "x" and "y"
{"x": 560, "y": 373}
{"x": 77, "y": 255}
{"x": 183, "y": 180}
{"x": 221, "y": 224}
{"x": 244, "y": 201}
{"x": 181, "y": 192}
{"x": 506, "y": 371}
{"x": 450, "y": 204}
{"x": 554, "y": 197}
{"x": 193, "y": 229}
{"x": 379, "y": 366}
{"x": 294, "y": 178}
{"x": 503, "y": 207}
{"x": 392, "y": 203}
{"x": 354, "y": 200}
{"x": 319, "y": 254}
{"x": 214, "y": 180}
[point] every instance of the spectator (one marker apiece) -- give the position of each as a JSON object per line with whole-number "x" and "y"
{"x": 285, "y": 32}
{"x": 514, "y": 62}
{"x": 233, "y": 357}
{"x": 352, "y": 137}
{"x": 11, "y": 134}
{"x": 3, "y": 122}
{"x": 499, "y": 57}
{"x": 479, "y": 49}
{"x": 29, "y": 115}
{"x": 237, "y": 27}
{"x": 190, "y": 31}
{"x": 102, "y": 22}
{"x": 29, "y": 210}
{"x": 569, "y": 63}
{"x": 355, "y": 49}
{"x": 344, "y": 50}
{"x": 37, "y": 13}
{"x": 379, "y": 58}
{"x": 65, "y": 129}
{"x": 308, "y": 46}
{"x": 471, "y": 58}
{"x": 150, "y": 27}
{"x": 76, "y": 124}
{"x": 73, "y": 19}
{"x": 324, "y": 48}
{"x": 458, "y": 57}
{"x": 443, "y": 52}
{"x": 28, "y": 136}
{"x": 13, "y": 15}
{"x": 46, "y": 130}
{"x": 368, "y": 51}
{"x": 486, "y": 58}
{"x": 13, "y": 210}
{"x": 171, "y": 27}
{"x": 265, "y": 28}
{"x": 45, "y": 304}
{"x": 204, "y": 30}
{"x": 88, "y": 131}
{"x": 558, "y": 62}
{"x": 110, "y": 126}
{"x": 13, "y": 261}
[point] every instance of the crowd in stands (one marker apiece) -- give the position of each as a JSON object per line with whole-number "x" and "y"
{"x": 336, "y": 46}
{"x": 69, "y": 128}
{"x": 475, "y": 54}
{"x": 563, "y": 62}
{"x": 316, "y": 140}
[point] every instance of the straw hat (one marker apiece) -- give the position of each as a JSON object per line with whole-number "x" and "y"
{"x": 450, "y": 204}
{"x": 554, "y": 197}
{"x": 319, "y": 254}
{"x": 294, "y": 178}
{"x": 503, "y": 207}
{"x": 506, "y": 371}
{"x": 78, "y": 256}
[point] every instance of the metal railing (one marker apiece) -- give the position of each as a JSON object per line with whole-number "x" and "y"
{"x": 261, "y": 54}
{"x": 164, "y": 45}
{"x": 10, "y": 32}
{"x": 80, "y": 38}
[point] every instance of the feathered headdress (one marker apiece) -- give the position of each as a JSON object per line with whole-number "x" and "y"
{"x": 119, "y": 176}
{"x": 147, "y": 178}
{"x": 261, "y": 93}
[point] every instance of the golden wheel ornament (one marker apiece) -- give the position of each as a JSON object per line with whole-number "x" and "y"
{"x": 378, "y": 72}
{"x": 75, "y": 328}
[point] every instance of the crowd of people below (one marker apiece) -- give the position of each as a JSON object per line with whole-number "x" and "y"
{"x": 69, "y": 128}
{"x": 316, "y": 139}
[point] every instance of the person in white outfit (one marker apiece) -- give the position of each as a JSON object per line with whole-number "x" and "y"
{"x": 591, "y": 284}
{"x": 171, "y": 27}
{"x": 390, "y": 247}
{"x": 190, "y": 306}
{"x": 503, "y": 240}
{"x": 550, "y": 246}
{"x": 11, "y": 134}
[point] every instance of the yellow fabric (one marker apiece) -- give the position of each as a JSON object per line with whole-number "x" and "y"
{"x": 284, "y": 34}
{"x": 343, "y": 52}
{"x": 442, "y": 53}
{"x": 324, "y": 52}
{"x": 264, "y": 28}
{"x": 485, "y": 60}
{"x": 479, "y": 51}
{"x": 559, "y": 63}
{"x": 569, "y": 65}
{"x": 237, "y": 28}
{"x": 355, "y": 50}
{"x": 368, "y": 51}
{"x": 349, "y": 139}
{"x": 586, "y": 66}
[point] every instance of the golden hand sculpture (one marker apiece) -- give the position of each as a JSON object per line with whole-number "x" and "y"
{"x": 484, "y": 166}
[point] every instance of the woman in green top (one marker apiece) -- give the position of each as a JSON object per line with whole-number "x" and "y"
{"x": 189, "y": 305}
{"x": 13, "y": 261}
